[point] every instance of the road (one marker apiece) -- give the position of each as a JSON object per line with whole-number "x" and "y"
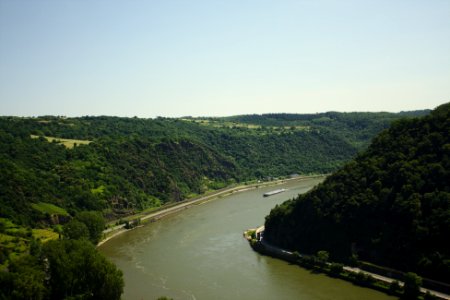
{"x": 389, "y": 280}
{"x": 260, "y": 233}
{"x": 188, "y": 203}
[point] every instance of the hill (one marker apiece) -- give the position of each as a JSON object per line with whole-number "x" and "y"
{"x": 123, "y": 165}
{"x": 389, "y": 206}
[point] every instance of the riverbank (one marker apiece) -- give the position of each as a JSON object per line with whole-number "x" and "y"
{"x": 174, "y": 208}
{"x": 355, "y": 275}
{"x": 200, "y": 253}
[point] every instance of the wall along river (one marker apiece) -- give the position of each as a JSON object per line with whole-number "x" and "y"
{"x": 200, "y": 253}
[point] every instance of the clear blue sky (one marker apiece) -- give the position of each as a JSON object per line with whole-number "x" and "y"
{"x": 218, "y": 58}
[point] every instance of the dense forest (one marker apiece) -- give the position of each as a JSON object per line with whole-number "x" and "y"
{"x": 389, "y": 206}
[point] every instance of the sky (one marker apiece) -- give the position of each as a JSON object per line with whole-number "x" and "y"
{"x": 219, "y": 58}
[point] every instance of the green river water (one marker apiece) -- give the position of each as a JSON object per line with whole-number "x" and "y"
{"x": 200, "y": 253}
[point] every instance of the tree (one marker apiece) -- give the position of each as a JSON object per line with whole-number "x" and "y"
{"x": 412, "y": 286}
{"x": 353, "y": 260}
{"x": 77, "y": 269}
{"x": 322, "y": 256}
{"x": 94, "y": 223}
{"x": 76, "y": 230}
{"x": 25, "y": 280}
{"x": 336, "y": 268}
{"x": 35, "y": 247}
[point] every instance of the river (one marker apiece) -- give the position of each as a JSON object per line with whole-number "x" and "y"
{"x": 200, "y": 253}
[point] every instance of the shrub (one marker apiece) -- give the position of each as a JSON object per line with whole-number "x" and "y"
{"x": 394, "y": 288}
{"x": 336, "y": 269}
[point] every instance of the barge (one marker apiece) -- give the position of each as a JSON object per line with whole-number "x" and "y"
{"x": 273, "y": 192}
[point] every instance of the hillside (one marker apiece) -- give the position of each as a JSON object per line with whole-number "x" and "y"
{"x": 122, "y": 165}
{"x": 389, "y": 206}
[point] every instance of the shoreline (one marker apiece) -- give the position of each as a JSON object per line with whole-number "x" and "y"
{"x": 255, "y": 238}
{"x": 112, "y": 232}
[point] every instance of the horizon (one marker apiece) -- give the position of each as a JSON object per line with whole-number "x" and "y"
{"x": 203, "y": 58}
{"x": 206, "y": 117}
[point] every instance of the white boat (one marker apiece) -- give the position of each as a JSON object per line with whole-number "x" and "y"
{"x": 273, "y": 192}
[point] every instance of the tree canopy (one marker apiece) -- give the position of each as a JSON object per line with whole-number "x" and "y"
{"x": 64, "y": 269}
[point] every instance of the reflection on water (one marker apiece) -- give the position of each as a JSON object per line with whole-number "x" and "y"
{"x": 200, "y": 254}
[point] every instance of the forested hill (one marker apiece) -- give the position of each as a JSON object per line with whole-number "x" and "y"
{"x": 389, "y": 206}
{"x": 122, "y": 165}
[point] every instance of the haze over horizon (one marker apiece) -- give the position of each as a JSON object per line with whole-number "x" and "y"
{"x": 209, "y": 58}
{"x": 203, "y": 116}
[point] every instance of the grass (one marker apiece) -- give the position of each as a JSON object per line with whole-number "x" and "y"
{"x": 17, "y": 231}
{"x": 231, "y": 124}
{"x": 5, "y": 238}
{"x": 45, "y": 235}
{"x": 49, "y": 208}
{"x": 15, "y": 240}
{"x": 68, "y": 143}
{"x": 6, "y": 223}
{"x": 98, "y": 190}
{"x": 220, "y": 124}
{"x": 13, "y": 243}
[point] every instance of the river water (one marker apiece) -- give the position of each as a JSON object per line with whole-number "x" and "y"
{"x": 200, "y": 253}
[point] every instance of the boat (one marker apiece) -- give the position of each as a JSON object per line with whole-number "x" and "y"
{"x": 273, "y": 192}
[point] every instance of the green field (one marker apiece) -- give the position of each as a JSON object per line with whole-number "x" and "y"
{"x": 45, "y": 235}
{"x": 15, "y": 240}
{"x": 217, "y": 123}
{"x": 49, "y": 208}
{"x": 68, "y": 143}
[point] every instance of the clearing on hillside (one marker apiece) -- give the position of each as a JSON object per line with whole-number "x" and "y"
{"x": 49, "y": 208}
{"x": 68, "y": 143}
